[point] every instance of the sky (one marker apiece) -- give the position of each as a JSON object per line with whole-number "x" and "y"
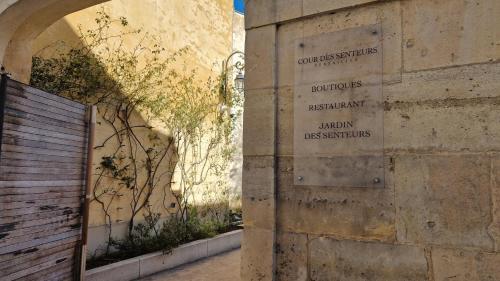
{"x": 239, "y": 6}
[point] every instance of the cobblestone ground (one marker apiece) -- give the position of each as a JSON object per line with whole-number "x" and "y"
{"x": 223, "y": 267}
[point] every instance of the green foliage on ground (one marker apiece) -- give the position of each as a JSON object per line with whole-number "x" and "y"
{"x": 153, "y": 236}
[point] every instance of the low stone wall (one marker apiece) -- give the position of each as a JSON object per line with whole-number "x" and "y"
{"x": 145, "y": 265}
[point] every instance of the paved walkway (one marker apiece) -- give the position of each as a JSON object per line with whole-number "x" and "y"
{"x": 223, "y": 267}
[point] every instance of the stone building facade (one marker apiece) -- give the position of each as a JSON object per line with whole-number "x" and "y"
{"x": 438, "y": 216}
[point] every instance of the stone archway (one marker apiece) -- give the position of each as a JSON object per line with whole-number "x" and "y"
{"x": 22, "y": 21}
{"x": 25, "y": 21}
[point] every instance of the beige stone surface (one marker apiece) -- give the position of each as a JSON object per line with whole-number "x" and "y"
{"x": 467, "y": 125}
{"x": 264, "y": 12}
{"x": 359, "y": 261}
{"x": 260, "y": 58}
{"x": 291, "y": 257}
{"x": 223, "y": 267}
{"x": 285, "y": 121}
{"x": 259, "y": 124}
{"x": 121, "y": 208}
{"x": 155, "y": 262}
{"x": 451, "y": 32}
{"x": 259, "y": 212}
{"x": 463, "y": 265}
{"x": 259, "y": 12}
{"x": 22, "y": 21}
{"x": 257, "y": 254}
{"x": 258, "y": 192}
{"x": 494, "y": 228}
{"x": 441, "y": 138}
{"x": 388, "y": 14}
{"x": 311, "y": 7}
{"x": 204, "y": 26}
{"x": 6, "y": 4}
{"x": 460, "y": 82}
{"x": 350, "y": 213}
{"x": 122, "y": 270}
{"x": 288, "y": 9}
{"x": 443, "y": 200}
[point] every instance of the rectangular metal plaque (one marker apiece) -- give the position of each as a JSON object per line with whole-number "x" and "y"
{"x": 338, "y": 109}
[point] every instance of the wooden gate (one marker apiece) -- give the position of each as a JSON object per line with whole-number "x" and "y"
{"x": 43, "y": 156}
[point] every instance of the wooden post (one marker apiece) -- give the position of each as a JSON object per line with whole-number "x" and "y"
{"x": 3, "y": 93}
{"x": 88, "y": 183}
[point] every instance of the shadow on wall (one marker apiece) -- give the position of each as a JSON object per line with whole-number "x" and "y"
{"x": 136, "y": 154}
{"x": 133, "y": 164}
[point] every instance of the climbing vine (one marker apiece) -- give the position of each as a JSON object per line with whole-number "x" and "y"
{"x": 163, "y": 133}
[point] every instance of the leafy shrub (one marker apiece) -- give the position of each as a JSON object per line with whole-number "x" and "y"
{"x": 153, "y": 236}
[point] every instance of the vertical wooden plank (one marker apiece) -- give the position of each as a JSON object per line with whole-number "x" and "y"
{"x": 88, "y": 183}
{"x": 3, "y": 93}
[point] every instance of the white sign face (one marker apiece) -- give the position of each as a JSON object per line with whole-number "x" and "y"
{"x": 339, "y": 110}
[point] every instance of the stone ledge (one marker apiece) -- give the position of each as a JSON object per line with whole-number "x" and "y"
{"x": 123, "y": 270}
{"x": 148, "y": 264}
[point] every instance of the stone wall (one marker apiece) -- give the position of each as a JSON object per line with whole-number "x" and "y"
{"x": 438, "y": 217}
{"x": 22, "y": 21}
{"x": 204, "y": 27}
{"x": 235, "y": 174}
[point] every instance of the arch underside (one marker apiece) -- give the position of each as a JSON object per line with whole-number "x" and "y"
{"x": 22, "y": 21}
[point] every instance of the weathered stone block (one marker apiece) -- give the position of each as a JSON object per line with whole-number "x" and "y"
{"x": 462, "y": 265}
{"x": 258, "y": 175}
{"x": 451, "y": 32}
{"x": 288, "y": 9}
{"x": 444, "y": 125}
{"x": 360, "y": 261}
{"x": 259, "y": 12}
{"x": 291, "y": 257}
{"x": 260, "y": 49}
{"x": 352, "y": 213}
{"x": 257, "y": 254}
{"x": 494, "y": 228}
{"x": 312, "y": 7}
{"x": 264, "y": 12}
{"x": 258, "y": 192}
{"x": 470, "y": 81}
{"x": 443, "y": 200}
{"x": 259, "y": 120}
{"x": 388, "y": 14}
{"x": 259, "y": 212}
{"x": 285, "y": 121}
